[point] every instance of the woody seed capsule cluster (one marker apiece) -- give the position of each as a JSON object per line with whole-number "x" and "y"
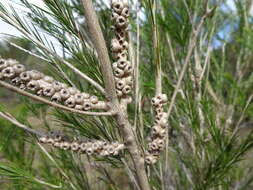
{"x": 158, "y": 135}
{"x": 46, "y": 86}
{"x": 95, "y": 147}
{"x": 122, "y": 67}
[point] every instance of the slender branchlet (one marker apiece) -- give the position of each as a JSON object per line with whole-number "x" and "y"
{"x": 43, "y": 85}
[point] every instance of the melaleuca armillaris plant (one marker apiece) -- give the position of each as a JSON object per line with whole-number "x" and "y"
{"x": 144, "y": 89}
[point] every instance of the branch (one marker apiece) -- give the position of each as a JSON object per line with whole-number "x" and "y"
{"x": 100, "y": 46}
{"x": 37, "y": 98}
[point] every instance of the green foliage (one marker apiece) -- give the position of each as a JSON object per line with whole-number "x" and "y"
{"x": 208, "y": 151}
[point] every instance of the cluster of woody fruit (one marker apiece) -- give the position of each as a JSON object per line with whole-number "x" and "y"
{"x": 46, "y": 86}
{"x": 158, "y": 134}
{"x": 94, "y": 147}
{"x": 122, "y": 68}
{"x": 43, "y": 85}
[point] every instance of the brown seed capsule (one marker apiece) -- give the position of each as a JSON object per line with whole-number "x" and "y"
{"x": 85, "y": 95}
{"x": 64, "y": 94}
{"x": 56, "y": 97}
{"x": 86, "y": 105}
{"x": 114, "y": 16}
{"x": 57, "y": 86}
{"x": 75, "y": 146}
{"x": 36, "y": 75}
{"x": 155, "y": 101}
{"x": 117, "y": 6}
{"x": 48, "y": 79}
{"x": 115, "y": 45}
{"x": 65, "y": 145}
{"x": 72, "y": 90}
{"x": 8, "y": 72}
{"x": 33, "y": 85}
{"x": 94, "y": 99}
{"x": 119, "y": 93}
{"x": 126, "y": 89}
{"x": 19, "y": 68}
{"x": 122, "y": 63}
{"x": 125, "y": 12}
{"x": 3, "y": 64}
{"x": 121, "y": 22}
{"x": 43, "y": 139}
{"x": 83, "y": 147}
{"x": 48, "y": 91}
{"x": 70, "y": 102}
{"x": 79, "y": 98}
{"x": 25, "y": 76}
{"x": 119, "y": 73}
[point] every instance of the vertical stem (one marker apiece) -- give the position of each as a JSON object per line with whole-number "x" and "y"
{"x": 100, "y": 46}
{"x": 156, "y": 51}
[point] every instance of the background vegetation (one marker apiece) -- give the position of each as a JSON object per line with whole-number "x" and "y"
{"x": 210, "y": 133}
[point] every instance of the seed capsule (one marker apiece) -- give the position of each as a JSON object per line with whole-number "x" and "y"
{"x": 36, "y": 75}
{"x": 56, "y": 97}
{"x": 33, "y": 85}
{"x": 8, "y": 72}
{"x": 48, "y": 91}
{"x": 121, "y": 22}
{"x": 19, "y": 68}
{"x": 86, "y": 105}
{"x": 70, "y": 102}
{"x": 64, "y": 94}
{"x": 25, "y": 76}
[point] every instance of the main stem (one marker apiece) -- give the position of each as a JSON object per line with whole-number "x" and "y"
{"x": 121, "y": 109}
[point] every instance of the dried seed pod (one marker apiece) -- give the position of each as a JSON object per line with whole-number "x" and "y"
{"x": 94, "y": 99}
{"x": 128, "y": 68}
{"x": 33, "y": 85}
{"x": 157, "y": 130}
{"x": 36, "y": 75}
{"x": 79, "y": 98}
{"x": 70, "y": 102}
{"x": 65, "y": 94}
{"x": 122, "y": 63}
{"x": 56, "y": 97}
{"x": 125, "y": 12}
{"x": 18, "y": 68}
{"x": 50, "y": 140}
{"x": 48, "y": 79}
{"x": 86, "y": 105}
{"x": 48, "y": 91}
{"x": 120, "y": 84}
{"x": 155, "y": 101}
{"x": 125, "y": 45}
{"x": 85, "y": 95}
{"x": 3, "y": 64}
{"x": 72, "y": 90}
{"x": 12, "y": 62}
{"x": 57, "y": 86}
{"x": 121, "y": 22}
{"x": 8, "y": 72}
{"x": 65, "y": 145}
{"x": 117, "y": 6}
{"x": 115, "y": 45}
{"x": 115, "y": 65}
{"x": 83, "y": 146}
{"x": 126, "y": 89}
{"x": 114, "y": 16}
{"x": 16, "y": 81}
{"x": 57, "y": 144}
{"x": 150, "y": 159}
{"x": 119, "y": 73}
{"x": 74, "y": 146}
{"x": 119, "y": 93}
{"x": 43, "y": 139}
{"x": 25, "y": 76}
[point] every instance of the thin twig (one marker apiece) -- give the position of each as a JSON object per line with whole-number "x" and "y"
{"x": 40, "y": 99}
{"x": 11, "y": 119}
